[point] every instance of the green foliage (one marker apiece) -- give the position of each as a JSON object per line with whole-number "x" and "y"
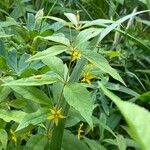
{"x": 139, "y": 125}
{"x": 61, "y": 76}
{"x": 79, "y": 101}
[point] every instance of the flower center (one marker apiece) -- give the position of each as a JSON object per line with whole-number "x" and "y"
{"x": 56, "y": 115}
{"x": 75, "y": 55}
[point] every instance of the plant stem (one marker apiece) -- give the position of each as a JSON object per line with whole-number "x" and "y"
{"x": 57, "y": 135}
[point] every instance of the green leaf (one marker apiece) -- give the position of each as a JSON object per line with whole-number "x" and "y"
{"x": 55, "y": 64}
{"x": 139, "y": 42}
{"x": 72, "y": 18}
{"x": 120, "y": 1}
{"x": 117, "y": 87}
{"x": 3, "y": 138}
{"x": 17, "y": 103}
{"x": 73, "y": 118}
{"x": 36, "y": 142}
{"x": 52, "y": 51}
{"x": 97, "y": 22}
{"x": 4, "y": 92}
{"x": 111, "y": 27}
{"x": 32, "y": 93}
{"x": 22, "y": 64}
{"x": 145, "y": 97}
{"x": 143, "y": 1}
{"x": 9, "y": 22}
{"x": 8, "y": 115}
{"x": 34, "y": 118}
{"x": 86, "y": 34}
{"x": 70, "y": 142}
{"x": 121, "y": 142}
{"x": 81, "y": 102}
{"x": 37, "y": 80}
{"x": 56, "y": 19}
{"x": 59, "y": 39}
{"x": 94, "y": 145}
{"x": 99, "y": 61}
{"x": 137, "y": 118}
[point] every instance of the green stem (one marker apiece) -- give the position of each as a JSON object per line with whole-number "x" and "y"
{"x": 57, "y": 134}
{"x": 65, "y": 82}
{"x": 48, "y": 14}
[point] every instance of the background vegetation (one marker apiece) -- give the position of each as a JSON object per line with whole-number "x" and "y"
{"x": 74, "y": 74}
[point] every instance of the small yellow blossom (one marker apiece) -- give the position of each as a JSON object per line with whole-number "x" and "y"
{"x": 75, "y": 55}
{"x": 87, "y": 77}
{"x": 56, "y": 115}
{"x": 80, "y": 131}
{"x": 13, "y": 136}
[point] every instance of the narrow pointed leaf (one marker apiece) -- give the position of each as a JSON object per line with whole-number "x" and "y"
{"x": 34, "y": 80}
{"x": 59, "y": 39}
{"x": 52, "y": 51}
{"x": 34, "y": 118}
{"x": 3, "y": 138}
{"x": 99, "y": 61}
{"x": 72, "y": 18}
{"x": 111, "y": 27}
{"x": 11, "y": 115}
{"x": 137, "y": 118}
{"x": 36, "y": 142}
{"x": 32, "y": 93}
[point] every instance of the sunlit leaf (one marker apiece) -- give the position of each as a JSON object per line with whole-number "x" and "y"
{"x": 52, "y": 51}
{"x": 99, "y": 61}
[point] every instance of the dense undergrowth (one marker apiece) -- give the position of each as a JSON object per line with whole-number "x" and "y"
{"x": 74, "y": 74}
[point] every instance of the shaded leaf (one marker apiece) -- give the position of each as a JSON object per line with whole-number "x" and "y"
{"x": 36, "y": 142}
{"x": 70, "y": 142}
{"x": 139, "y": 125}
{"x": 34, "y": 118}
{"x": 32, "y": 93}
{"x": 111, "y": 27}
{"x": 81, "y": 102}
{"x": 8, "y": 115}
{"x": 3, "y": 138}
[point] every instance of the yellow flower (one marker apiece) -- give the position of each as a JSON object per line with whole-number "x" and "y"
{"x": 80, "y": 131}
{"x": 75, "y": 55}
{"x": 56, "y": 115}
{"x": 87, "y": 77}
{"x": 13, "y": 136}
